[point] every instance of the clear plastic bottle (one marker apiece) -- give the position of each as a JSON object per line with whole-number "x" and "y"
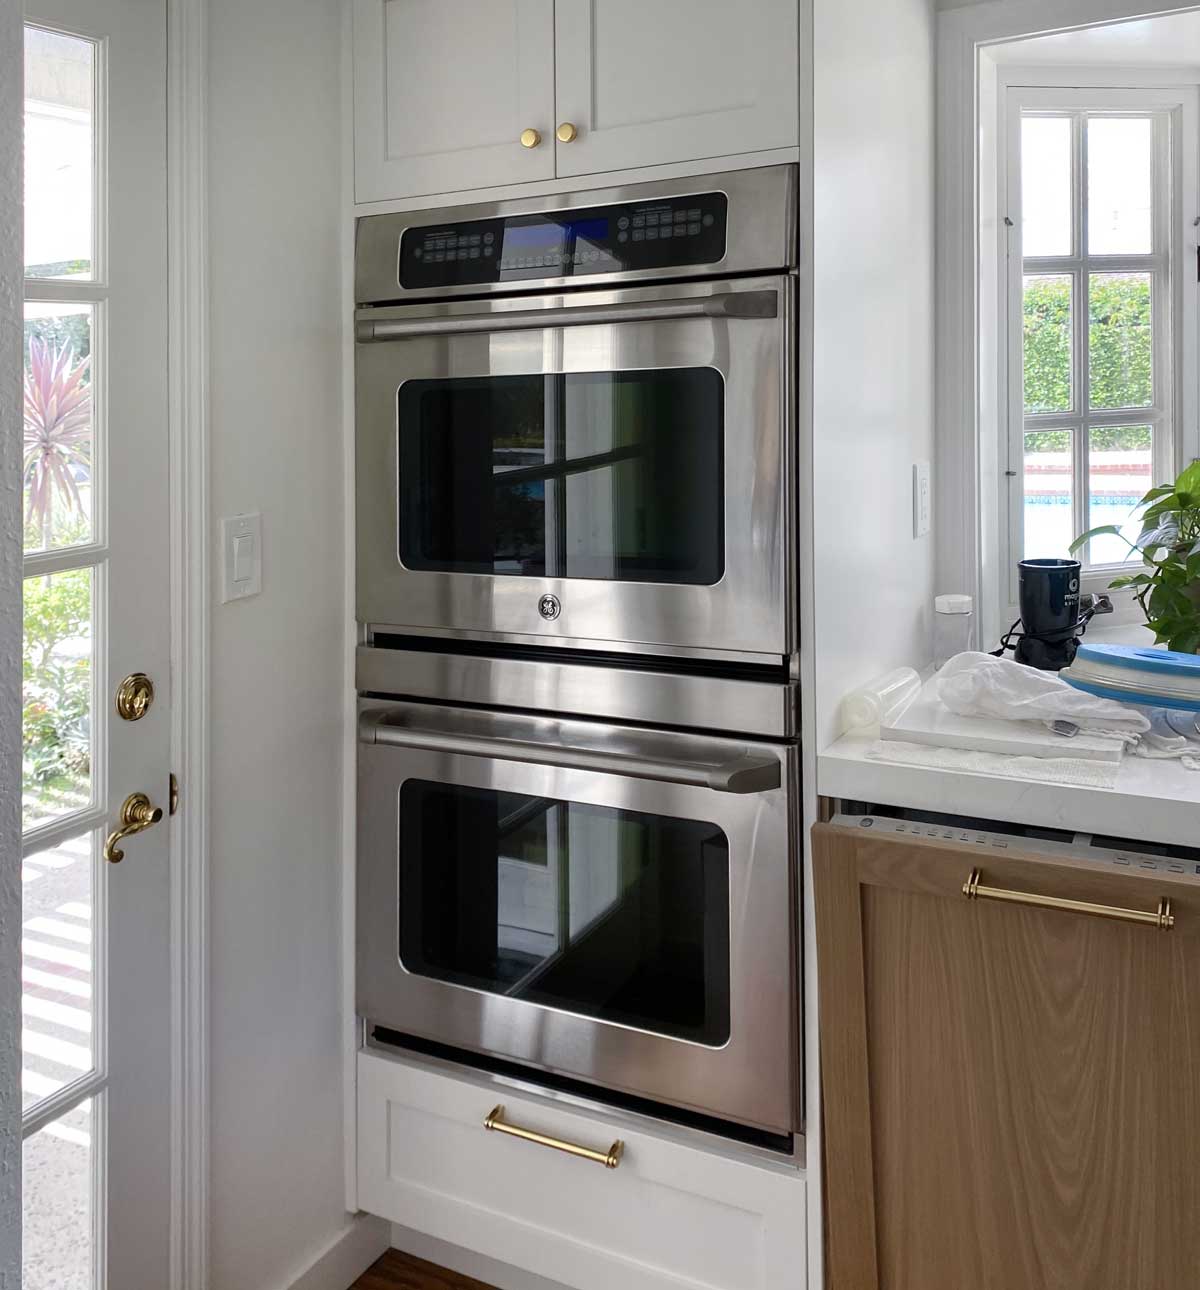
{"x": 953, "y": 620}
{"x": 879, "y": 699}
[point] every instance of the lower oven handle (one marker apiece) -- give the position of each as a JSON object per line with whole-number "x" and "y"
{"x": 738, "y": 775}
{"x": 730, "y": 304}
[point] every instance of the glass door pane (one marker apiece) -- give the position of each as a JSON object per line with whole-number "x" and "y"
{"x": 1120, "y": 340}
{"x": 1120, "y": 152}
{"x": 610, "y": 913}
{"x": 58, "y": 425}
{"x": 60, "y": 91}
{"x": 1046, "y": 169}
{"x": 57, "y": 695}
{"x": 1120, "y": 473}
{"x": 1049, "y": 516}
{"x": 57, "y": 969}
{"x": 58, "y": 1173}
{"x": 1048, "y": 309}
{"x": 593, "y": 475}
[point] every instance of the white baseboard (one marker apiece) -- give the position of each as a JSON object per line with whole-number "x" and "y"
{"x": 467, "y": 1263}
{"x": 346, "y": 1257}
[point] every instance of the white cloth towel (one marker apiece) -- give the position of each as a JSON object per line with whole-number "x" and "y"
{"x": 1051, "y": 770}
{"x": 981, "y": 685}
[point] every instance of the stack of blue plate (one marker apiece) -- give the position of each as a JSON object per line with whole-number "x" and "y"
{"x": 1157, "y": 678}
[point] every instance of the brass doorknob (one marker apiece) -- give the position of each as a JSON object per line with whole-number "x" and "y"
{"x": 138, "y": 813}
{"x": 530, "y": 138}
{"x": 567, "y": 133}
{"x": 135, "y": 694}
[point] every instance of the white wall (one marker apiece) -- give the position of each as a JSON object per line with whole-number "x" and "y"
{"x": 10, "y": 644}
{"x": 274, "y": 195}
{"x": 873, "y": 210}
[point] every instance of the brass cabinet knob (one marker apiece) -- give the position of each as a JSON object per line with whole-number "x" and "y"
{"x": 135, "y": 694}
{"x": 530, "y": 138}
{"x": 138, "y": 813}
{"x": 567, "y": 133}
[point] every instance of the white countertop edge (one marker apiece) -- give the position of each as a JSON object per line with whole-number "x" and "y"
{"x": 1153, "y": 801}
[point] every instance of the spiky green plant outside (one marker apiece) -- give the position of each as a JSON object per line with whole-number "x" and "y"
{"x": 58, "y": 432}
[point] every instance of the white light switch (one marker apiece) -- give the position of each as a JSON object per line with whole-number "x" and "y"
{"x": 922, "y": 499}
{"x": 241, "y": 557}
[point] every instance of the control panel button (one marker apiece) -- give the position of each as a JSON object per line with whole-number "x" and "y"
{"x": 622, "y": 236}
{"x": 623, "y": 222}
{"x": 707, "y": 221}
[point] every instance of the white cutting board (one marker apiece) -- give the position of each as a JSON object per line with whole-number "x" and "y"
{"x": 927, "y": 720}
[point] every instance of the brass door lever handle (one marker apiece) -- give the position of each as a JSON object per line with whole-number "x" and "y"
{"x": 138, "y": 813}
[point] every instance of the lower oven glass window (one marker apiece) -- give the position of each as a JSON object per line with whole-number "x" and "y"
{"x": 610, "y": 913}
{"x": 612, "y": 475}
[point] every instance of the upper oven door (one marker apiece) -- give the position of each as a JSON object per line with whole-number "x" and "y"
{"x": 607, "y": 903}
{"x": 607, "y": 469}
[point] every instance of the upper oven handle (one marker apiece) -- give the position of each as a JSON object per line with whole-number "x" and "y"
{"x": 738, "y": 775}
{"x": 730, "y": 304}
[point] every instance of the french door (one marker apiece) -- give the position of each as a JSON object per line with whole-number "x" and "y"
{"x": 96, "y": 784}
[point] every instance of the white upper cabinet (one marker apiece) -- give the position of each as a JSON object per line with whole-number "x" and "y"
{"x": 652, "y": 81}
{"x": 445, "y": 89}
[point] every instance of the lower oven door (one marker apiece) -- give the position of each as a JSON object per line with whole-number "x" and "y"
{"x": 609, "y": 469}
{"x": 608, "y": 904}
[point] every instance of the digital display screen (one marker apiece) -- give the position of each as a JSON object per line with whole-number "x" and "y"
{"x": 552, "y": 235}
{"x": 660, "y": 233}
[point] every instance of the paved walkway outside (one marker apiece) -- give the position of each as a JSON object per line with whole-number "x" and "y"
{"x": 57, "y": 1042}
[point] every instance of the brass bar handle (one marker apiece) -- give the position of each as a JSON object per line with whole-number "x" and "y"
{"x": 138, "y": 813}
{"x": 1162, "y": 918}
{"x": 610, "y": 1159}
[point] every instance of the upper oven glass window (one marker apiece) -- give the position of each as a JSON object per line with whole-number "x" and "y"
{"x": 610, "y": 913}
{"x": 613, "y": 475}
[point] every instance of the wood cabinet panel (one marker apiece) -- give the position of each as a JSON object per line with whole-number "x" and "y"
{"x": 443, "y": 91}
{"x": 1009, "y": 1102}
{"x": 674, "y": 80}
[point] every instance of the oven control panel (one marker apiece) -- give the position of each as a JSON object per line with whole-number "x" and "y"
{"x": 655, "y": 234}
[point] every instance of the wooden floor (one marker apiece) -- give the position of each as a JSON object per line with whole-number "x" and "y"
{"x": 396, "y": 1271}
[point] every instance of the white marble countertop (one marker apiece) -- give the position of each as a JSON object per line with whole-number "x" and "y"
{"x": 1152, "y": 801}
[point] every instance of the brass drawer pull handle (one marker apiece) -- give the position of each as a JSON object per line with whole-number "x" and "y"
{"x": 610, "y": 1159}
{"x": 1162, "y": 918}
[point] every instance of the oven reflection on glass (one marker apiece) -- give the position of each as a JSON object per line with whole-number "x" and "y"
{"x": 614, "y": 914}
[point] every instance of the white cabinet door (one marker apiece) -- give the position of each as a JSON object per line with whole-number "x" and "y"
{"x": 670, "y": 1216}
{"x": 652, "y": 81}
{"x": 443, "y": 90}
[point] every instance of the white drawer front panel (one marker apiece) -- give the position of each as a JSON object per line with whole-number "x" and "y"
{"x": 669, "y": 1216}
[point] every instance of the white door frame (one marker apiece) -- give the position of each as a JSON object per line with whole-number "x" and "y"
{"x": 11, "y": 365}
{"x": 189, "y": 474}
{"x": 188, "y": 316}
{"x": 968, "y": 547}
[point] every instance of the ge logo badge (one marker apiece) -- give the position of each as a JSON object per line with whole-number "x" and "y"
{"x": 549, "y": 607}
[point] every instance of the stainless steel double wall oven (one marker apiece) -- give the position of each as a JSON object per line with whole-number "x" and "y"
{"x": 577, "y": 568}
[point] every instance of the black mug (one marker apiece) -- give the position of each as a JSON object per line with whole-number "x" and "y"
{"x": 1048, "y": 592}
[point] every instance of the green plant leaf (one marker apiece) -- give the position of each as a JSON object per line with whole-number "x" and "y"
{"x": 1189, "y": 480}
{"x": 1187, "y": 640}
{"x": 1131, "y": 580}
{"x": 1102, "y": 531}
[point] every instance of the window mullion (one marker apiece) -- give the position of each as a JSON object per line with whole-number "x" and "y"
{"x": 1081, "y": 320}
